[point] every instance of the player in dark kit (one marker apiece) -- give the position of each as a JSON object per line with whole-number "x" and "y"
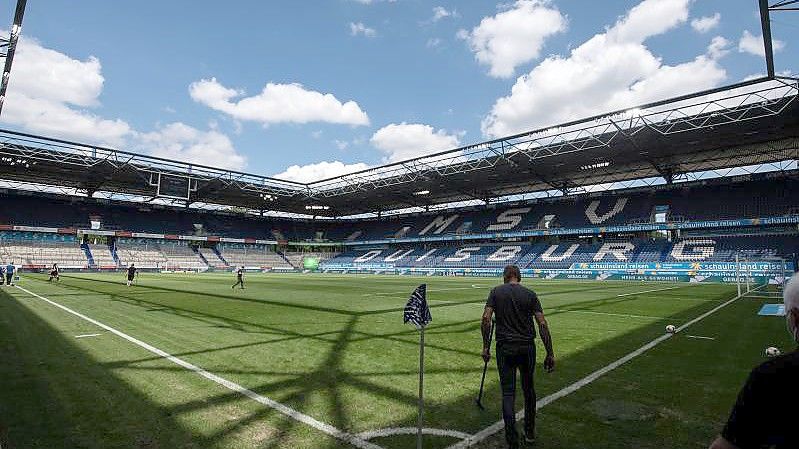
{"x": 516, "y": 307}
{"x": 54, "y": 273}
{"x": 239, "y": 278}
{"x": 131, "y": 274}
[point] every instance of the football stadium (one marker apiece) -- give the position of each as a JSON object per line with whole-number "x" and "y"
{"x": 149, "y": 302}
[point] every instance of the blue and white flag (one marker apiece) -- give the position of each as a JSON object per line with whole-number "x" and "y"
{"x": 416, "y": 311}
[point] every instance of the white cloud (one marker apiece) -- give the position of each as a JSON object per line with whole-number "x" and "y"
{"x": 322, "y": 170}
{"x": 278, "y": 103}
{"x": 397, "y": 142}
{"x": 409, "y": 140}
{"x": 753, "y": 45}
{"x": 718, "y": 47}
{"x": 705, "y": 24}
{"x": 612, "y": 70}
{"x": 649, "y": 18}
{"x": 185, "y": 143}
{"x": 49, "y": 92}
{"x": 360, "y": 28}
{"x": 439, "y": 12}
{"x": 513, "y": 37}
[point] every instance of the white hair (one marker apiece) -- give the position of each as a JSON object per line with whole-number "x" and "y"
{"x": 791, "y": 295}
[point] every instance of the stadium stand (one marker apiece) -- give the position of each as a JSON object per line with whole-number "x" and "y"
{"x": 102, "y": 256}
{"x": 751, "y": 197}
{"x": 181, "y": 256}
{"x": 707, "y": 200}
{"x": 139, "y": 252}
{"x": 41, "y": 250}
{"x": 252, "y": 256}
{"x": 755, "y": 196}
{"x": 565, "y": 254}
{"x": 212, "y": 258}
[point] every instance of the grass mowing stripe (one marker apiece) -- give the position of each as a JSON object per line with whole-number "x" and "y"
{"x": 541, "y": 403}
{"x": 285, "y": 410}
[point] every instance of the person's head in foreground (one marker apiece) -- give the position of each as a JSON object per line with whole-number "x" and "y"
{"x": 511, "y": 274}
{"x": 764, "y": 415}
{"x": 791, "y": 298}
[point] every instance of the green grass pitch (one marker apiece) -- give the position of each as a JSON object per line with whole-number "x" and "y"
{"x": 334, "y": 348}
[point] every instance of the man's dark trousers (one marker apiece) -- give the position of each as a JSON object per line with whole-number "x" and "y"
{"x": 510, "y": 358}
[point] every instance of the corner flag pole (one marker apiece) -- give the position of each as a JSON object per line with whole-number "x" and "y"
{"x": 421, "y": 390}
{"x": 417, "y": 313}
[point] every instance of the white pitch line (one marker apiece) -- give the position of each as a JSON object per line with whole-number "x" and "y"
{"x": 650, "y": 291}
{"x": 285, "y": 410}
{"x": 499, "y": 425}
{"x": 371, "y": 434}
{"x": 87, "y": 335}
{"x": 700, "y": 337}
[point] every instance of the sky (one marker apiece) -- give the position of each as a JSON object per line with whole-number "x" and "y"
{"x": 309, "y": 90}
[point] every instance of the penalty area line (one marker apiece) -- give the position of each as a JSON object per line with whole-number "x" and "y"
{"x": 543, "y": 402}
{"x": 283, "y": 409}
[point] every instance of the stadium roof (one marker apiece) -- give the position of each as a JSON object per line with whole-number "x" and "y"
{"x": 754, "y": 122}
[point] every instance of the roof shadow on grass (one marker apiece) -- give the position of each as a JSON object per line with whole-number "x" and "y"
{"x": 61, "y": 397}
{"x": 55, "y": 395}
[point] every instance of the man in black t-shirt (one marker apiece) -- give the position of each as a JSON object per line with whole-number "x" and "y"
{"x": 239, "y": 278}
{"x": 131, "y": 274}
{"x": 765, "y": 413}
{"x": 515, "y": 307}
{"x": 54, "y": 273}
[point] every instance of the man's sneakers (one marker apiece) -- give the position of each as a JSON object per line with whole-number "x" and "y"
{"x": 528, "y": 439}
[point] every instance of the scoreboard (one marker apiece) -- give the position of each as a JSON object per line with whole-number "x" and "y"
{"x": 173, "y": 186}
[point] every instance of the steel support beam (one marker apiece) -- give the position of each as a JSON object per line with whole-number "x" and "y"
{"x": 765, "y": 23}
{"x": 10, "y": 46}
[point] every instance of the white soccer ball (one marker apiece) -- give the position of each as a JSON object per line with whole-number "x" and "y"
{"x": 671, "y": 329}
{"x": 771, "y": 351}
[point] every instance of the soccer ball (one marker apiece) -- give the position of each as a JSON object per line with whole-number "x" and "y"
{"x": 772, "y": 352}
{"x": 671, "y": 329}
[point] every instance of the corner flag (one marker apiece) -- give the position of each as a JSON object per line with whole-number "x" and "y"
{"x": 417, "y": 313}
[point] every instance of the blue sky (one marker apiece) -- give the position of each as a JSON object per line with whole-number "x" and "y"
{"x": 261, "y": 86}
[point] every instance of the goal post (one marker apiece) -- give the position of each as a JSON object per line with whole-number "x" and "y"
{"x": 738, "y": 273}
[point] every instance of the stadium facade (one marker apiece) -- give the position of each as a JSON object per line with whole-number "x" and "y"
{"x": 674, "y": 190}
